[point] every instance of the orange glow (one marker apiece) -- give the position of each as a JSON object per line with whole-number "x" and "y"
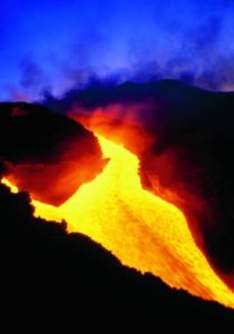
{"x": 142, "y": 230}
{"x": 118, "y": 122}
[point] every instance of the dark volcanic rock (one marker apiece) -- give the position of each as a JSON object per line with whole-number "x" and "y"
{"x": 191, "y": 157}
{"x": 50, "y": 155}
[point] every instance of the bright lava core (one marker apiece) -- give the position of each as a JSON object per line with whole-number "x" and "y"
{"x": 142, "y": 230}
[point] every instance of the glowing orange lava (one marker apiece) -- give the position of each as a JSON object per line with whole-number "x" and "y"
{"x": 142, "y": 230}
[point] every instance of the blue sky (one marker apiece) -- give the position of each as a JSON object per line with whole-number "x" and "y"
{"x": 50, "y": 45}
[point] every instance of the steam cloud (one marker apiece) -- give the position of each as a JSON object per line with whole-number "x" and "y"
{"x": 141, "y": 42}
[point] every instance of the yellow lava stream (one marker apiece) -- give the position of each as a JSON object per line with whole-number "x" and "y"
{"x": 142, "y": 230}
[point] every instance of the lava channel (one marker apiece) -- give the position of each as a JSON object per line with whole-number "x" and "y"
{"x": 142, "y": 230}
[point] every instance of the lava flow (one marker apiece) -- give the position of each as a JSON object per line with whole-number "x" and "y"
{"x": 142, "y": 230}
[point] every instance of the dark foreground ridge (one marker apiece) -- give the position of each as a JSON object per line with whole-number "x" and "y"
{"x": 51, "y": 279}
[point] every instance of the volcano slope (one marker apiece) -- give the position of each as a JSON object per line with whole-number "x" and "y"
{"x": 150, "y": 177}
{"x": 184, "y": 137}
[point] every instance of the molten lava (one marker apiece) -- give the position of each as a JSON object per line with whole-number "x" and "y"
{"x": 142, "y": 230}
